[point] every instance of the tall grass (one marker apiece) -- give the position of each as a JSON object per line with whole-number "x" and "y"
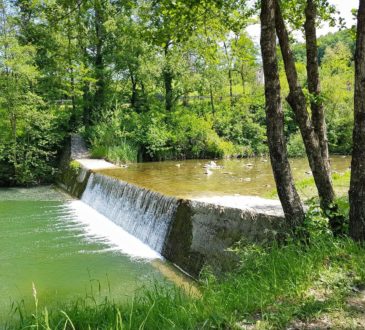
{"x": 271, "y": 286}
{"x": 124, "y": 152}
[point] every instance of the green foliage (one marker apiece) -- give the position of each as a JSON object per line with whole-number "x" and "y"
{"x": 336, "y": 53}
{"x": 108, "y": 141}
{"x": 182, "y": 135}
{"x": 316, "y": 223}
{"x": 75, "y": 165}
{"x": 31, "y": 130}
{"x": 296, "y": 146}
{"x": 108, "y": 68}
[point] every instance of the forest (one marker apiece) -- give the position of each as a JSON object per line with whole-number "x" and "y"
{"x": 149, "y": 80}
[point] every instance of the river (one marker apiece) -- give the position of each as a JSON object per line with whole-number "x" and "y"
{"x": 67, "y": 250}
{"x": 188, "y": 179}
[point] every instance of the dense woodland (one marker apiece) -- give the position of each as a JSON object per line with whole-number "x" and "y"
{"x": 148, "y": 80}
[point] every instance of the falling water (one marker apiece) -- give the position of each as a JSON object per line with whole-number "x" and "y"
{"x": 143, "y": 213}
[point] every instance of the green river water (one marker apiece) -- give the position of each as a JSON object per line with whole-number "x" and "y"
{"x": 47, "y": 239}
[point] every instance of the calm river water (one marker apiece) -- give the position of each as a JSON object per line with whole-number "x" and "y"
{"x": 251, "y": 176}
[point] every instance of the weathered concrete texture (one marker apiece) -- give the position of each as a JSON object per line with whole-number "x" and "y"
{"x": 248, "y": 203}
{"x": 73, "y": 179}
{"x": 202, "y": 233}
{"x": 79, "y": 149}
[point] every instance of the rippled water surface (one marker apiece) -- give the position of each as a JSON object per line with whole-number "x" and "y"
{"x": 66, "y": 249}
{"x": 252, "y": 176}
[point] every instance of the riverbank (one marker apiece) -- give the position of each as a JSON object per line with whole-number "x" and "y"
{"x": 317, "y": 286}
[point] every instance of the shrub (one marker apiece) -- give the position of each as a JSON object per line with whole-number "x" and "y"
{"x": 296, "y": 146}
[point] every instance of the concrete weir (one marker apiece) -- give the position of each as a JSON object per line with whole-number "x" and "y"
{"x": 189, "y": 233}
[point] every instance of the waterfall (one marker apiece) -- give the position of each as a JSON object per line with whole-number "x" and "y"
{"x": 143, "y": 213}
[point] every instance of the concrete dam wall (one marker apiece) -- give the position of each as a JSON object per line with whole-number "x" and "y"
{"x": 188, "y": 233}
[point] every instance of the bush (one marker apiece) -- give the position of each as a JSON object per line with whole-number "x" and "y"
{"x": 296, "y": 146}
{"x": 181, "y": 134}
{"x": 32, "y": 158}
{"x": 109, "y": 141}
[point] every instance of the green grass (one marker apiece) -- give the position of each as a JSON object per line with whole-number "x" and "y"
{"x": 271, "y": 288}
{"x": 307, "y": 188}
{"x": 117, "y": 154}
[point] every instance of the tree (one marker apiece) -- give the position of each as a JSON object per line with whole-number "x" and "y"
{"x": 28, "y": 141}
{"x": 312, "y": 143}
{"x": 288, "y": 195}
{"x": 316, "y": 102}
{"x": 17, "y": 71}
{"x": 357, "y": 184}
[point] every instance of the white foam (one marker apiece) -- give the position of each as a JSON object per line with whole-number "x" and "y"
{"x": 143, "y": 213}
{"x": 98, "y": 226}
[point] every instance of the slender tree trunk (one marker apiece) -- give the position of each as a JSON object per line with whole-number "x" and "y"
{"x": 288, "y": 195}
{"x": 134, "y": 96}
{"x": 318, "y": 116}
{"x": 243, "y": 80}
{"x": 357, "y": 185}
{"x": 230, "y": 79}
{"x": 13, "y": 123}
{"x": 99, "y": 95}
{"x": 73, "y": 119}
{"x": 86, "y": 97}
{"x": 230, "y": 86}
{"x": 168, "y": 78}
{"x": 212, "y": 100}
{"x": 86, "y": 111}
{"x": 297, "y": 101}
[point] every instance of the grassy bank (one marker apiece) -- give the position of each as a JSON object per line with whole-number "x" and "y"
{"x": 273, "y": 287}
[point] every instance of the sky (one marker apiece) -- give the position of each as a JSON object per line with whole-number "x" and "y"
{"x": 343, "y": 6}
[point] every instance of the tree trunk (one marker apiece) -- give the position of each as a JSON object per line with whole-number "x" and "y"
{"x": 212, "y": 100}
{"x": 230, "y": 86}
{"x": 82, "y": 44}
{"x": 73, "y": 118}
{"x": 243, "y": 80}
{"x": 13, "y": 123}
{"x": 288, "y": 195}
{"x": 168, "y": 78}
{"x": 99, "y": 96}
{"x": 134, "y": 96}
{"x": 86, "y": 106}
{"x": 357, "y": 185}
{"x": 318, "y": 117}
{"x": 297, "y": 101}
{"x": 230, "y": 79}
